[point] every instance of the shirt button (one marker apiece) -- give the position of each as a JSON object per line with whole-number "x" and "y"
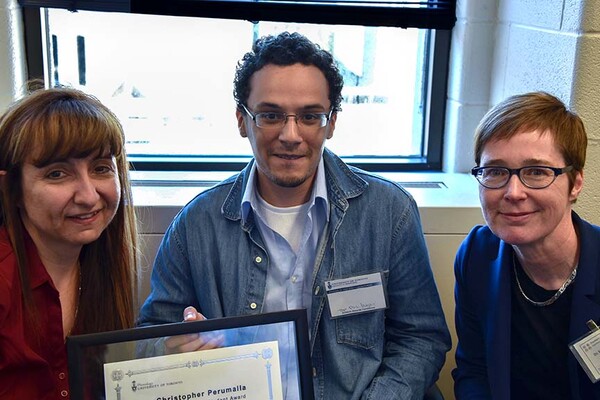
{"x": 253, "y": 306}
{"x": 294, "y": 279}
{"x": 61, "y": 376}
{"x": 258, "y": 259}
{"x": 64, "y": 393}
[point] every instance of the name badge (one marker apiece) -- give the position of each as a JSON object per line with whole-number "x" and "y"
{"x": 356, "y": 295}
{"x": 587, "y": 351}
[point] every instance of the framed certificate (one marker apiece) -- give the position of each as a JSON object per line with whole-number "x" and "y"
{"x": 264, "y": 356}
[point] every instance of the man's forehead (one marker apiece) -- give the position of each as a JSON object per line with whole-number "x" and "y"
{"x": 305, "y": 84}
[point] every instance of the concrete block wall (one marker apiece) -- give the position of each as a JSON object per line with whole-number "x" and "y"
{"x": 506, "y": 47}
{"x": 541, "y": 48}
{"x": 585, "y": 99}
{"x": 471, "y": 64}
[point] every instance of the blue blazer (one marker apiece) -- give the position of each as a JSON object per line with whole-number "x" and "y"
{"x": 483, "y": 303}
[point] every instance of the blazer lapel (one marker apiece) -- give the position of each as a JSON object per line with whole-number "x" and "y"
{"x": 499, "y": 323}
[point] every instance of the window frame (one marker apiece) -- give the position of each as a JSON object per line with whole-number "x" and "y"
{"x": 435, "y": 65}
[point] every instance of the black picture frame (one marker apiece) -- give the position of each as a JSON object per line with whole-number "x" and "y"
{"x": 82, "y": 348}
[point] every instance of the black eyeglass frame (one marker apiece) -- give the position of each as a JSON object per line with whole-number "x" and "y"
{"x": 476, "y": 172}
{"x": 286, "y": 116}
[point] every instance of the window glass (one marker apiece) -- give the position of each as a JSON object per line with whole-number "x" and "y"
{"x": 170, "y": 80}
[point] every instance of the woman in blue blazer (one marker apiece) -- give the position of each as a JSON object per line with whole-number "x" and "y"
{"x": 527, "y": 282}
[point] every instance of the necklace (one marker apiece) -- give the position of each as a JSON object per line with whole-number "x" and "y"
{"x": 556, "y": 295}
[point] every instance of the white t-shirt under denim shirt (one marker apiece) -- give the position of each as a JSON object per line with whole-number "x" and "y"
{"x": 291, "y": 235}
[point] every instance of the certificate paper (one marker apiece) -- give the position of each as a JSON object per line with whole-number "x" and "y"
{"x": 263, "y": 356}
{"x": 239, "y": 372}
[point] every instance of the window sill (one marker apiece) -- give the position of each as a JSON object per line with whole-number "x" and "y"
{"x": 448, "y": 202}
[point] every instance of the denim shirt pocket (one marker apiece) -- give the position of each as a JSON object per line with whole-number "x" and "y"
{"x": 361, "y": 330}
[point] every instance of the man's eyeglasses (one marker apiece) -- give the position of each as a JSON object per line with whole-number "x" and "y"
{"x": 534, "y": 177}
{"x": 277, "y": 120}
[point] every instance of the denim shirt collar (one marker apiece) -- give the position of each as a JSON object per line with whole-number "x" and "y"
{"x": 340, "y": 183}
{"x": 318, "y": 195}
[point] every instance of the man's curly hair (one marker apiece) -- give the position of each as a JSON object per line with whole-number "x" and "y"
{"x": 286, "y": 49}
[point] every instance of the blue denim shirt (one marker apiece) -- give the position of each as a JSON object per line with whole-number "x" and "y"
{"x": 213, "y": 261}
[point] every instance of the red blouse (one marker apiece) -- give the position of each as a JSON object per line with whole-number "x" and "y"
{"x": 30, "y": 369}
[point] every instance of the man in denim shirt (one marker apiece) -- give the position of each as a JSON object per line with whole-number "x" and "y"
{"x": 295, "y": 220}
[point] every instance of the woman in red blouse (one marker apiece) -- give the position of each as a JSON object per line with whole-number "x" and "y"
{"x": 67, "y": 236}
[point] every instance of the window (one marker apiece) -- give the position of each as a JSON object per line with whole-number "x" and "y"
{"x": 169, "y": 79}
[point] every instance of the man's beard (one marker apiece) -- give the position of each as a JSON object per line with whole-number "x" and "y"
{"x": 288, "y": 182}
